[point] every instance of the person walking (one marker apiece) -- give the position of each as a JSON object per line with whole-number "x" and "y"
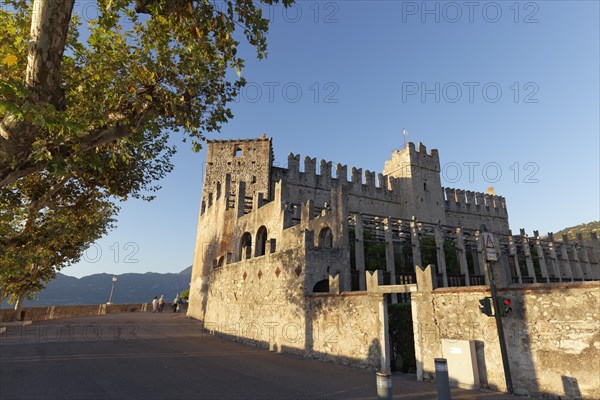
{"x": 155, "y": 304}
{"x": 175, "y": 303}
{"x": 161, "y": 303}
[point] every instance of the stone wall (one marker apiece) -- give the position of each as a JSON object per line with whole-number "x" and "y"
{"x": 348, "y": 327}
{"x": 262, "y": 301}
{"x": 552, "y": 336}
{"x": 56, "y": 312}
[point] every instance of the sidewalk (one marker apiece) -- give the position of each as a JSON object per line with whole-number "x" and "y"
{"x": 406, "y": 386}
{"x": 4, "y": 325}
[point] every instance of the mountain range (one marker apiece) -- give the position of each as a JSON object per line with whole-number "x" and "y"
{"x": 95, "y": 289}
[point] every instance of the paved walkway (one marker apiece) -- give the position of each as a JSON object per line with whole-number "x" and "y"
{"x": 166, "y": 356}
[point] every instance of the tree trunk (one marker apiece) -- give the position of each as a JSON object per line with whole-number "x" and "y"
{"x": 18, "y": 307}
{"x": 49, "y": 27}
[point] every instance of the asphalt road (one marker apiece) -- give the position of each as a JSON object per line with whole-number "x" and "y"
{"x": 166, "y": 356}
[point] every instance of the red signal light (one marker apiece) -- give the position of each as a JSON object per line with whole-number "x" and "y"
{"x": 504, "y": 307}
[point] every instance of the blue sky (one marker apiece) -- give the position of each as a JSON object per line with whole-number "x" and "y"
{"x": 501, "y": 87}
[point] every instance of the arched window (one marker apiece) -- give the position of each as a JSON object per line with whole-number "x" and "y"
{"x": 237, "y": 151}
{"x": 321, "y": 286}
{"x": 245, "y": 246}
{"x": 325, "y": 238}
{"x": 261, "y": 242}
{"x": 221, "y": 262}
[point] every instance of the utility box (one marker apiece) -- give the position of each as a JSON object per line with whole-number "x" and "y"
{"x": 462, "y": 363}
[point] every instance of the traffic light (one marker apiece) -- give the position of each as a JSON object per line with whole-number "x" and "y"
{"x": 504, "y": 305}
{"x": 485, "y": 305}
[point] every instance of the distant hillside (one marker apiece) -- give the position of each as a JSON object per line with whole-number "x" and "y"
{"x": 187, "y": 271}
{"x": 584, "y": 229}
{"x": 95, "y": 289}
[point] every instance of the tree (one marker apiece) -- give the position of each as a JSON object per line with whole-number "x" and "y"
{"x": 146, "y": 65}
{"x": 38, "y": 242}
{"x": 185, "y": 295}
{"x": 47, "y": 221}
{"x": 83, "y": 122}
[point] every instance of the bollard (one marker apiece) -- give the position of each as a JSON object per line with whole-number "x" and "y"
{"x": 384, "y": 386}
{"x": 441, "y": 379}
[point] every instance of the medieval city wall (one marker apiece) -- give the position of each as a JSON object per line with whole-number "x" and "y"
{"x": 552, "y": 336}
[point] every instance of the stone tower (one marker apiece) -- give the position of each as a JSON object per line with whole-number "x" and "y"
{"x": 419, "y": 180}
{"x": 246, "y": 160}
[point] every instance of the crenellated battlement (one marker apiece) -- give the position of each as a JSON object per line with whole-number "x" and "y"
{"x": 329, "y": 176}
{"x": 478, "y": 202}
{"x": 421, "y": 151}
{"x": 473, "y": 209}
{"x": 263, "y": 138}
{"x": 412, "y": 160}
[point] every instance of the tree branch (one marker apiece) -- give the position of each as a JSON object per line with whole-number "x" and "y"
{"x": 92, "y": 140}
{"x": 35, "y": 206}
{"x": 8, "y": 177}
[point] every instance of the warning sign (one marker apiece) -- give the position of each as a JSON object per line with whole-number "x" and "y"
{"x": 490, "y": 249}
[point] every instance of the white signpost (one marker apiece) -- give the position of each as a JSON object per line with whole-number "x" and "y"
{"x": 490, "y": 249}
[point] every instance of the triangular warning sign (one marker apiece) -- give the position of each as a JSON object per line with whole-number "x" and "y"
{"x": 489, "y": 243}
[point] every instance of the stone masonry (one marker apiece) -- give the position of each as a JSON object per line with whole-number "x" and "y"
{"x": 251, "y": 208}
{"x": 552, "y": 336}
{"x": 281, "y": 260}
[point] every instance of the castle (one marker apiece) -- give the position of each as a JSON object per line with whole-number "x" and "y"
{"x": 284, "y": 257}
{"x": 251, "y": 207}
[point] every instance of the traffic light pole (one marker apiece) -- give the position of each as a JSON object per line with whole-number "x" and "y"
{"x": 500, "y": 329}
